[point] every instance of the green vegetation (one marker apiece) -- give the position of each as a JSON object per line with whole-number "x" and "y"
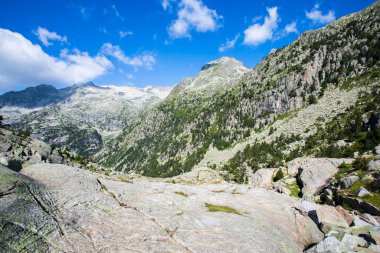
{"x": 225, "y": 209}
{"x": 343, "y": 170}
{"x": 294, "y": 189}
{"x": 279, "y": 175}
{"x": 182, "y": 194}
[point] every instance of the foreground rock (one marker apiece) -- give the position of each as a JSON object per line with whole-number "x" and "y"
{"x": 92, "y": 213}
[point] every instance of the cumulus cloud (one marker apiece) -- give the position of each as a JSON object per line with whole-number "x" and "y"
{"x": 192, "y": 14}
{"x": 146, "y": 59}
{"x": 167, "y": 4}
{"x": 24, "y": 63}
{"x": 291, "y": 28}
{"x": 46, "y": 36}
{"x": 259, "y": 33}
{"x": 318, "y": 17}
{"x": 230, "y": 44}
{"x": 123, "y": 34}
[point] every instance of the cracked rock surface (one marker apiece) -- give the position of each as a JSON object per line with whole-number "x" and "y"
{"x": 85, "y": 212}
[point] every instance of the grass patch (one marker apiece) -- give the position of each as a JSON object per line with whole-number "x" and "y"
{"x": 182, "y": 194}
{"x": 374, "y": 200}
{"x": 343, "y": 170}
{"x": 123, "y": 179}
{"x": 225, "y": 209}
{"x": 294, "y": 189}
{"x": 219, "y": 191}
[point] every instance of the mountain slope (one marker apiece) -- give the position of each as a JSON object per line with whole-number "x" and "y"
{"x": 79, "y": 117}
{"x": 176, "y": 134}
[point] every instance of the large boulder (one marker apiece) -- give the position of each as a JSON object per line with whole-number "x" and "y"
{"x": 330, "y": 219}
{"x": 329, "y": 244}
{"x": 314, "y": 173}
{"x": 263, "y": 178}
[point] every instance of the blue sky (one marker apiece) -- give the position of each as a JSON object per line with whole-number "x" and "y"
{"x": 152, "y": 42}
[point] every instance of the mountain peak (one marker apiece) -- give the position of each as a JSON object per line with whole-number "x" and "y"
{"x": 216, "y": 75}
{"x": 222, "y": 61}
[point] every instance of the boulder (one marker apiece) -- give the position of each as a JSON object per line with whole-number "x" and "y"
{"x": 349, "y": 218}
{"x": 353, "y": 241}
{"x": 40, "y": 149}
{"x": 377, "y": 150}
{"x": 373, "y": 165}
{"x": 360, "y": 223}
{"x": 314, "y": 173}
{"x": 330, "y": 219}
{"x": 263, "y": 178}
{"x": 329, "y": 244}
{"x": 369, "y": 219}
{"x": 363, "y": 192}
{"x": 347, "y": 182}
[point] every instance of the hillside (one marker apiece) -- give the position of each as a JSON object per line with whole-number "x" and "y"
{"x": 187, "y": 128}
{"x": 79, "y": 117}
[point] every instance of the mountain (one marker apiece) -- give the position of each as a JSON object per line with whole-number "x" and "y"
{"x": 217, "y": 75}
{"x": 321, "y": 70}
{"x": 79, "y": 117}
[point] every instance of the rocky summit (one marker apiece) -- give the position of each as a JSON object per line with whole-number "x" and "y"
{"x": 284, "y": 157}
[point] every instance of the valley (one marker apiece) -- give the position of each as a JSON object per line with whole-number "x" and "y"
{"x": 284, "y": 157}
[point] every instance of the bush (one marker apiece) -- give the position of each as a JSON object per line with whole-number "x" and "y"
{"x": 279, "y": 175}
{"x": 312, "y": 100}
{"x": 360, "y": 163}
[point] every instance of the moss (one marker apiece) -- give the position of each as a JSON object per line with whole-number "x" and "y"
{"x": 182, "y": 194}
{"x": 279, "y": 175}
{"x": 294, "y": 189}
{"x": 343, "y": 170}
{"x": 219, "y": 191}
{"x": 225, "y": 209}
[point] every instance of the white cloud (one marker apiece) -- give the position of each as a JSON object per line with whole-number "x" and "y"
{"x": 146, "y": 59}
{"x": 167, "y": 4}
{"x": 193, "y": 14}
{"x": 229, "y": 44}
{"x": 46, "y": 36}
{"x": 116, "y": 12}
{"x": 123, "y": 34}
{"x": 257, "y": 34}
{"x": 291, "y": 28}
{"x": 24, "y": 63}
{"x": 318, "y": 17}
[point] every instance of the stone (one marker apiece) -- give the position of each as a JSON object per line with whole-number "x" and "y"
{"x": 201, "y": 175}
{"x": 155, "y": 216}
{"x": 330, "y": 219}
{"x": 40, "y": 149}
{"x": 3, "y": 161}
{"x": 349, "y": 218}
{"x": 369, "y": 219}
{"x": 377, "y": 150}
{"x": 373, "y": 165}
{"x": 314, "y": 173}
{"x": 263, "y": 178}
{"x": 353, "y": 241}
{"x": 360, "y": 223}
{"x": 363, "y": 192}
{"x": 347, "y": 182}
{"x": 329, "y": 244}
{"x": 374, "y": 248}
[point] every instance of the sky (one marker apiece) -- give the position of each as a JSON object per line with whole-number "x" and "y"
{"x": 146, "y": 42}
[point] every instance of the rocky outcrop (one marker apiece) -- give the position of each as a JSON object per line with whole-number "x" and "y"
{"x": 263, "y": 178}
{"x": 314, "y": 173}
{"x": 19, "y": 151}
{"x": 78, "y": 211}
